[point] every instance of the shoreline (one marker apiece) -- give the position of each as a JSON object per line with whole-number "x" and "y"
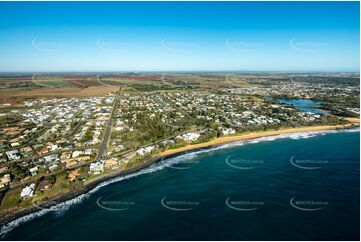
{"x": 16, "y": 214}
{"x": 254, "y": 135}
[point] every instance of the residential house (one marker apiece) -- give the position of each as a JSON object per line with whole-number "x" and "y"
{"x": 96, "y": 167}
{"x": 5, "y": 180}
{"x": 73, "y": 174}
{"x": 28, "y": 191}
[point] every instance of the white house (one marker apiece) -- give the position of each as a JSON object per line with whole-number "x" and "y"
{"x": 145, "y": 150}
{"x": 13, "y": 155}
{"x": 28, "y": 191}
{"x": 96, "y": 167}
{"x": 189, "y": 136}
{"x": 228, "y": 131}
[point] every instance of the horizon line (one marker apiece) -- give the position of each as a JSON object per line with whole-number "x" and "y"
{"x": 184, "y": 71}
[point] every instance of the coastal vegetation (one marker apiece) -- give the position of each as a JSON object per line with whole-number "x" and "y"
{"x": 81, "y": 129}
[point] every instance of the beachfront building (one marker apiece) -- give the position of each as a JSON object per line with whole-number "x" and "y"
{"x": 111, "y": 164}
{"x": 28, "y": 191}
{"x": 189, "y": 136}
{"x": 73, "y": 174}
{"x": 228, "y": 131}
{"x": 145, "y": 150}
{"x": 96, "y": 168}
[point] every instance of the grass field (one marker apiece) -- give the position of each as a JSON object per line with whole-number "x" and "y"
{"x": 11, "y": 199}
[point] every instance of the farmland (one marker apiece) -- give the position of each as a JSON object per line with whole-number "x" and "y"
{"x": 15, "y": 88}
{"x": 62, "y": 132}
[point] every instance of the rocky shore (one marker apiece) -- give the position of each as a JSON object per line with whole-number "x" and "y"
{"x": 15, "y": 214}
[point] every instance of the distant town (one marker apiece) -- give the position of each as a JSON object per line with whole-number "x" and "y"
{"x": 77, "y": 128}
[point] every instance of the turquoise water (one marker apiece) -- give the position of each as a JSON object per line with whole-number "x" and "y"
{"x": 304, "y": 105}
{"x": 305, "y": 187}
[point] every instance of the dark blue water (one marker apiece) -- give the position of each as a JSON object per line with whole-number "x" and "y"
{"x": 257, "y": 180}
{"x": 304, "y": 105}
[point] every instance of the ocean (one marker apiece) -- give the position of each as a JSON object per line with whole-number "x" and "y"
{"x": 301, "y": 186}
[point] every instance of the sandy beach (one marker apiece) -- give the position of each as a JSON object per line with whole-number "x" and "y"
{"x": 12, "y": 215}
{"x": 254, "y": 135}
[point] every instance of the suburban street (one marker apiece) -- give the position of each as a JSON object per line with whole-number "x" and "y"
{"x": 108, "y": 129}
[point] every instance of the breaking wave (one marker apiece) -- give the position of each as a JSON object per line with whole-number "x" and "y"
{"x": 61, "y": 208}
{"x": 294, "y": 136}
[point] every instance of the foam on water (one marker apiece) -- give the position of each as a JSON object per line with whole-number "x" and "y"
{"x": 64, "y": 206}
{"x": 60, "y": 208}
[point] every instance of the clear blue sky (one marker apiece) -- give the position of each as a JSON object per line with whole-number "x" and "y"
{"x": 179, "y": 36}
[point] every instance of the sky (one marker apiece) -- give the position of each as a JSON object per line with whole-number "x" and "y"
{"x": 179, "y": 36}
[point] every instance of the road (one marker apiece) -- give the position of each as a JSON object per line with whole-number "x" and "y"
{"x": 102, "y": 147}
{"x": 128, "y": 153}
{"x": 103, "y": 83}
{"x": 108, "y": 129}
